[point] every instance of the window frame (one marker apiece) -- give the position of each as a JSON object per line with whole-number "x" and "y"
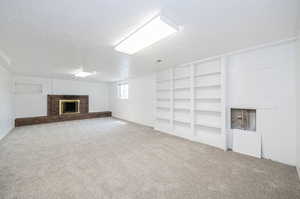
{"x": 123, "y": 90}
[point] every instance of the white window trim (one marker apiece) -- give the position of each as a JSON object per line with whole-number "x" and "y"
{"x": 123, "y": 96}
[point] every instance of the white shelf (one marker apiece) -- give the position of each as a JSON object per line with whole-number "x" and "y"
{"x": 163, "y": 99}
{"x": 162, "y": 107}
{"x": 210, "y": 125}
{"x": 208, "y": 98}
{"x": 207, "y": 74}
{"x": 164, "y": 90}
{"x": 207, "y": 86}
{"x": 182, "y": 88}
{"x": 181, "y": 121}
{"x": 208, "y": 110}
{"x": 161, "y": 118}
{"x": 181, "y": 78}
{"x": 182, "y": 109}
{"x": 163, "y": 80}
{"x": 182, "y": 99}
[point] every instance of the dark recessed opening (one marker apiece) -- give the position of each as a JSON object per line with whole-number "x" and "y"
{"x": 244, "y": 119}
{"x": 69, "y": 107}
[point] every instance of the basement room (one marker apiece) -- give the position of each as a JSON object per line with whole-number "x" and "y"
{"x": 149, "y": 99}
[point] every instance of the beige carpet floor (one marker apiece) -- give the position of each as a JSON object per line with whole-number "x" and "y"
{"x": 112, "y": 159}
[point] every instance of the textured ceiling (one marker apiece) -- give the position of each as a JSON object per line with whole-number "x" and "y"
{"x": 53, "y": 38}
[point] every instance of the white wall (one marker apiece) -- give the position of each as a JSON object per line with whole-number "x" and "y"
{"x": 98, "y": 92}
{"x": 139, "y": 107}
{"x": 264, "y": 78}
{"x": 30, "y": 103}
{"x": 6, "y": 108}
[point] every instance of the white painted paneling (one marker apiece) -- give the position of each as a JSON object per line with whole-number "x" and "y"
{"x": 247, "y": 142}
{"x": 29, "y": 103}
{"x": 139, "y": 107}
{"x": 98, "y": 92}
{"x": 261, "y": 77}
{"x": 210, "y": 67}
{"x": 6, "y": 105}
{"x": 264, "y": 78}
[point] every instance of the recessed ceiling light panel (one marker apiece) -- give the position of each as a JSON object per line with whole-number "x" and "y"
{"x": 153, "y": 31}
{"x": 83, "y": 74}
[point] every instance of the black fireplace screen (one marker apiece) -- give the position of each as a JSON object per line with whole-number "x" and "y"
{"x": 69, "y": 106}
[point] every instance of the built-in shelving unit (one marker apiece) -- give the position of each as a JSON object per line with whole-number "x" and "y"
{"x": 191, "y": 98}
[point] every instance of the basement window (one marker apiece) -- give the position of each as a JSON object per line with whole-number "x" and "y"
{"x": 123, "y": 90}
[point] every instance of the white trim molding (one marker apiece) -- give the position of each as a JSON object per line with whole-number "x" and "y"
{"x": 298, "y": 170}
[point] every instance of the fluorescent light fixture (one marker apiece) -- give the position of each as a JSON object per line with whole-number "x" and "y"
{"x": 156, "y": 29}
{"x": 83, "y": 74}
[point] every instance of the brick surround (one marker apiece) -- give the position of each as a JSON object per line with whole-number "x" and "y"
{"x": 53, "y": 103}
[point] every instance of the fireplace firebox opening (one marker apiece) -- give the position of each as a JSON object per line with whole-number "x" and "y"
{"x": 69, "y": 106}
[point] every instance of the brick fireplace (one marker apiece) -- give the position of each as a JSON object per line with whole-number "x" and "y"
{"x": 56, "y": 104}
{"x": 64, "y": 108}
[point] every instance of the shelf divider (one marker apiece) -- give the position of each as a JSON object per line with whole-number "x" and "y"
{"x": 192, "y": 84}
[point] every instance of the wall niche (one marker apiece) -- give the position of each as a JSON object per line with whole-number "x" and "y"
{"x": 244, "y": 119}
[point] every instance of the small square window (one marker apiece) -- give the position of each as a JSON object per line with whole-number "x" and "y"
{"x": 123, "y": 91}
